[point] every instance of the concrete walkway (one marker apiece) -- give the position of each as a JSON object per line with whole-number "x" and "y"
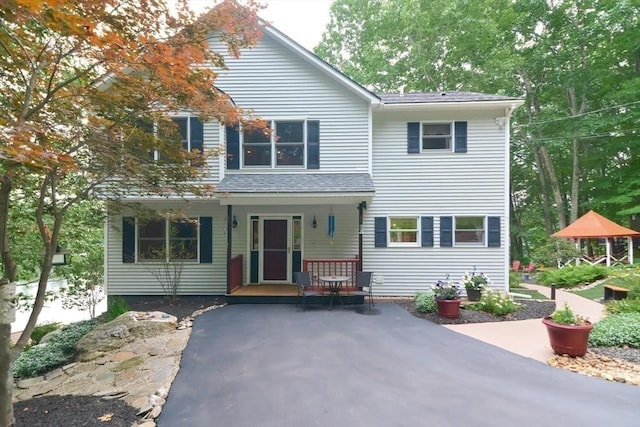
{"x": 528, "y": 338}
{"x": 270, "y": 365}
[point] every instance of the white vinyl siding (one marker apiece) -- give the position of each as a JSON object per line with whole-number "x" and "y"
{"x": 448, "y": 184}
{"x": 278, "y": 85}
{"x": 197, "y": 278}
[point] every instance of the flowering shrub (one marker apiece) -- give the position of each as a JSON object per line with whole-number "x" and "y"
{"x": 497, "y": 303}
{"x": 446, "y": 290}
{"x": 474, "y": 281}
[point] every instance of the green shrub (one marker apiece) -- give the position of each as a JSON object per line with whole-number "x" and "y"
{"x": 115, "y": 307}
{"x": 553, "y": 250}
{"x": 57, "y": 351}
{"x": 571, "y": 276}
{"x": 622, "y": 306}
{"x": 634, "y": 291}
{"x": 496, "y": 303}
{"x": 41, "y": 330}
{"x": 515, "y": 280}
{"x": 616, "y": 330}
{"x": 425, "y": 302}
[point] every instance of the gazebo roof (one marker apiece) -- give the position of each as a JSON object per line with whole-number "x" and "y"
{"x": 594, "y": 225}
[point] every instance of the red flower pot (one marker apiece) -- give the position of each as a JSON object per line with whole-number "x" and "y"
{"x": 449, "y": 308}
{"x": 571, "y": 340}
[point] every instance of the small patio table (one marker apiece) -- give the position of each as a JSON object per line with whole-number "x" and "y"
{"x": 334, "y": 283}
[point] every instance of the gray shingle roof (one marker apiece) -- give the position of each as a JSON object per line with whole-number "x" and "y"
{"x": 296, "y": 183}
{"x": 433, "y": 97}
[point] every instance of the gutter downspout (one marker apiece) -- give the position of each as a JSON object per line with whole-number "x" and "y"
{"x": 229, "y": 228}
{"x": 507, "y": 193}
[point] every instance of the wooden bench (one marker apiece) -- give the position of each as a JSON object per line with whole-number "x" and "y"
{"x": 614, "y": 292}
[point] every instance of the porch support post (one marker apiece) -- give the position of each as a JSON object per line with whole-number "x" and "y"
{"x": 630, "y": 249}
{"x": 361, "y": 207}
{"x": 229, "y": 229}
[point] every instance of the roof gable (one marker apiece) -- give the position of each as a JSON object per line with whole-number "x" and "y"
{"x": 319, "y": 63}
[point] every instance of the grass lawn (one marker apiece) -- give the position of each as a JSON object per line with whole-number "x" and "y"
{"x": 531, "y": 292}
{"x": 597, "y": 292}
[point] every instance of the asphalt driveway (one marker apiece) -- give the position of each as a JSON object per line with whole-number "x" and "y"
{"x": 270, "y": 365}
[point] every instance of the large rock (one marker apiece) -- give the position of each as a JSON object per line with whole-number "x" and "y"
{"x": 122, "y": 330}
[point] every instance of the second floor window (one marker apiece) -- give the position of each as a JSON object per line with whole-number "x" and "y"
{"x": 284, "y": 147}
{"x": 436, "y": 136}
{"x": 190, "y": 132}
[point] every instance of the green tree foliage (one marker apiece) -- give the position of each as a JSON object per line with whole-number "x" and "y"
{"x": 575, "y": 62}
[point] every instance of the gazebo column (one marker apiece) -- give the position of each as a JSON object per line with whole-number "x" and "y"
{"x": 607, "y": 245}
{"x": 630, "y": 249}
{"x": 579, "y": 249}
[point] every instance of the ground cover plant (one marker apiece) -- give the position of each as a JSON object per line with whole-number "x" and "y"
{"x": 572, "y": 276}
{"x": 616, "y": 330}
{"x": 58, "y": 350}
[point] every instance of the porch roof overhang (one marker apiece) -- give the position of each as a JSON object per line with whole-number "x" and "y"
{"x": 295, "y": 188}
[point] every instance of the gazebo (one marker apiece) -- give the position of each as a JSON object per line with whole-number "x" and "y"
{"x": 594, "y": 226}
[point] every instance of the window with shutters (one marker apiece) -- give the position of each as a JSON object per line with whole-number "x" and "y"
{"x": 403, "y": 231}
{"x": 170, "y": 240}
{"x": 285, "y": 146}
{"x": 189, "y": 132}
{"x": 469, "y": 230}
{"x": 437, "y": 136}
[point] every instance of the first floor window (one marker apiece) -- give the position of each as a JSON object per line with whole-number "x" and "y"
{"x": 403, "y": 231}
{"x": 170, "y": 240}
{"x": 469, "y": 230}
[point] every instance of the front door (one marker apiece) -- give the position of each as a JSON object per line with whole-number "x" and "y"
{"x": 275, "y": 251}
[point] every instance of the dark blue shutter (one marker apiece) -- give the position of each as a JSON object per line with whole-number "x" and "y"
{"x": 426, "y": 227}
{"x": 313, "y": 144}
{"x": 493, "y": 234}
{"x": 128, "y": 239}
{"x": 461, "y": 137}
{"x": 380, "y": 232}
{"x": 446, "y": 231}
{"x": 206, "y": 240}
{"x": 233, "y": 148}
{"x": 197, "y": 134}
{"x": 413, "y": 137}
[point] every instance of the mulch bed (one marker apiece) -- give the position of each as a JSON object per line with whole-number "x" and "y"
{"x": 530, "y": 309}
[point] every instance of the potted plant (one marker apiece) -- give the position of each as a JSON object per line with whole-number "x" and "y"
{"x": 447, "y": 296}
{"x": 568, "y": 333}
{"x": 474, "y": 283}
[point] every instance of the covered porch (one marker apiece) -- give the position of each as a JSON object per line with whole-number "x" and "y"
{"x": 279, "y": 224}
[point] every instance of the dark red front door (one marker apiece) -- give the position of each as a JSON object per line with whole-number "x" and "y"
{"x": 275, "y": 249}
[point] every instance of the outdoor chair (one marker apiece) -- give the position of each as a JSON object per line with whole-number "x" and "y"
{"x": 515, "y": 266}
{"x": 364, "y": 279}
{"x": 529, "y": 268}
{"x": 303, "y": 280}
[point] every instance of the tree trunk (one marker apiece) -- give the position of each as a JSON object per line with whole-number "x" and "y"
{"x": 7, "y": 307}
{"x": 7, "y": 316}
{"x": 548, "y": 223}
{"x": 555, "y": 186}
